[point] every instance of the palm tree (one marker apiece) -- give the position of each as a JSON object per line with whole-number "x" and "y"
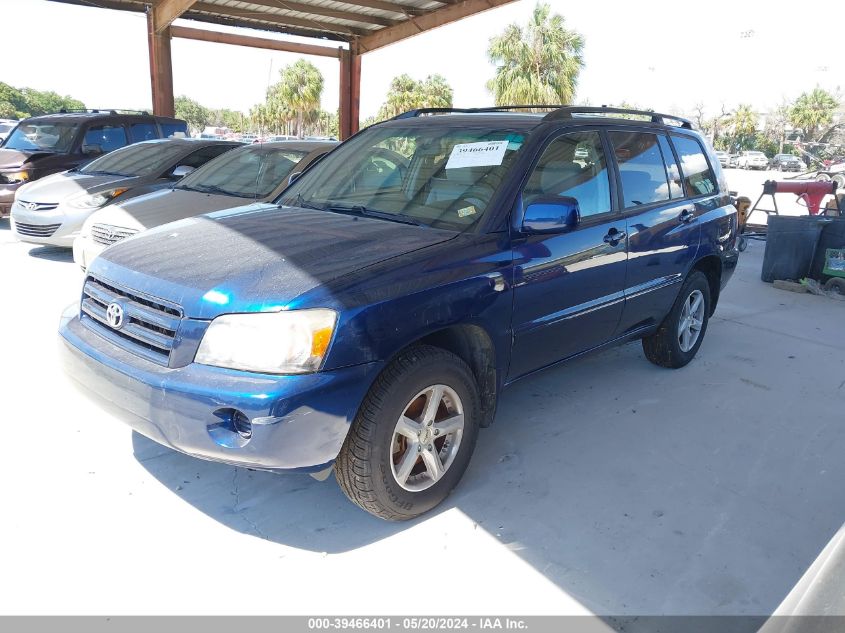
{"x": 743, "y": 123}
{"x": 539, "y": 63}
{"x": 436, "y": 92}
{"x": 813, "y": 111}
{"x": 299, "y": 91}
{"x": 404, "y": 94}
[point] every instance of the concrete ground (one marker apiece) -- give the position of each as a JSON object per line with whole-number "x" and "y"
{"x": 607, "y": 485}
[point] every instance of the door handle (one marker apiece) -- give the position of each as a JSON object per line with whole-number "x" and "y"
{"x": 687, "y": 216}
{"x": 614, "y": 236}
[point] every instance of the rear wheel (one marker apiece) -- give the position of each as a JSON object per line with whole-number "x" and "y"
{"x": 413, "y": 437}
{"x": 680, "y": 335}
{"x": 835, "y": 284}
{"x": 839, "y": 179}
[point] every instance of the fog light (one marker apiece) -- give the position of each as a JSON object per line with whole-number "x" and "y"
{"x": 233, "y": 429}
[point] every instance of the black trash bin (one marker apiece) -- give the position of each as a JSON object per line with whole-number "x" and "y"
{"x": 791, "y": 243}
{"x": 833, "y": 236}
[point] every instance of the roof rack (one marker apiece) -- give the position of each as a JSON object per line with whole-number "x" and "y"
{"x": 101, "y": 111}
{"x": 567, "y": 112}
{"x": 557, "y": 112}
{"x": 422, "y": 111}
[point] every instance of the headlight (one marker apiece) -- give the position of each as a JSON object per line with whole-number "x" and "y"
{"x": 94, "y": 200}
{"x": 15, "y": 177}
{"x": 293, "y": 342}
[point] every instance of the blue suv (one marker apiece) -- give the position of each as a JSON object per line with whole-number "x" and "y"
{"x": 369, "y": 319}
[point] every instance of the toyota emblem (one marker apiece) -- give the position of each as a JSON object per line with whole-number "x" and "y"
{"x": 114, "y": 315}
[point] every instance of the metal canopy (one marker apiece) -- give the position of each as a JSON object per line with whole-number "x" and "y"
{"x": 363, "y": 25}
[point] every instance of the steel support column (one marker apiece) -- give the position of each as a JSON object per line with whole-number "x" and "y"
{"x": 350, "y": 91}
{"x": 161, "y": 68}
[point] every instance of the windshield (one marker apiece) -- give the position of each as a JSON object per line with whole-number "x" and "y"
{"x": 142, "y": 159}
{"x": 50, "y": 137}
{"x": 5, "y": 127}
{"x": 433, "y": 175}
{"x": 756, "y": 154}
{"x": 246, "y": 172}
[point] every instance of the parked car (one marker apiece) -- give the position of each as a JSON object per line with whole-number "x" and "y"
{"x": 733, "y": 160}
{"x": 752, "y": 160}
{"x": 786, "y": 162}
{"x": 44, "y": 145}
{"x": 251, "y": 173}
{"x": 723, "y": 157}
{"x": 6, "y": 126}
{"x": 52, "y": 210}
{"x": 369, "y": 320}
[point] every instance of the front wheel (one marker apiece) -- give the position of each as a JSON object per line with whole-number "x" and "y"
{"x": 680, "y": 335}
{"x": 413, "y": 436}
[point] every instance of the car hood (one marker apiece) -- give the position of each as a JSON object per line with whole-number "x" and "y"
{"x": 16, "y": 158}
{"x": 59, "y": 187}
{"x": 160, "y": 207}
{"x": 256, "y": 258}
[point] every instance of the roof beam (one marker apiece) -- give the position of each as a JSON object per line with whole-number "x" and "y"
{"x": 253, "y": 42}
{"x": 425, "y": 22}
{"x": 284, "y": 20}
{"x": 381, "y": 5}
{"x": 165, "y": 11}
{"x": 331, "y": 13}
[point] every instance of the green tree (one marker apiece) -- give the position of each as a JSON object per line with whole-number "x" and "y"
{"x": 298, "y": 93}
{"x": 191, "y": 111}
{"x": 743, "y": 124}
{"x": 812, "y": 112}
{"x": 538, "y": 63}
{"x": 20, "y": 103}
{"x": 406, "y": 93}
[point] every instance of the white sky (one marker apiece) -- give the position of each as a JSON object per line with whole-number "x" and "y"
{"x": 659, "y": 54}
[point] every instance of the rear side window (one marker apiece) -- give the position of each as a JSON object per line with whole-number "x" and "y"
{"x": 698, "y": 178}
{"x": 676, "y": 187}
{"x": 572, "y": 165}
{"x": 202, "y": 156}
{"x": 143, "y": 132}
{"x": 173, "y": 129}
{"x": 641, "y": 167}
{"x": 108, "y": 137}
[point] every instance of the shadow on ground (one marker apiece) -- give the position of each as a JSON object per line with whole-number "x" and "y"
{"x": 635, "y": 489}
{"x": 52, "y": 253}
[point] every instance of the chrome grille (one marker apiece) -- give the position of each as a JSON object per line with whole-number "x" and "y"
{"x": 37, "y": 206}
{"x": 149, "y": 325}
{"x": 108, "y": 234}
{"x": 36, "y": 230}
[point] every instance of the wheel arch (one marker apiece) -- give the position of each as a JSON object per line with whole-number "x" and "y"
{"x": 472, "y": 344}
{"x": 711, "y": 266}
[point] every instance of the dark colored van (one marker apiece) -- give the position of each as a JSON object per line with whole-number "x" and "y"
{"x": 44, "y": 145}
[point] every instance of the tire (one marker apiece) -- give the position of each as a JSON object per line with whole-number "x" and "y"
{"x": 835, "y": 284}
{"x": 666, "y": 347}
{"x": 370, "y": 463}
{"x": 839, "y": 179}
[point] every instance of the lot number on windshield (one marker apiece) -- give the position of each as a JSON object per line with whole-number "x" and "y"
{"x": 477, "y": 154}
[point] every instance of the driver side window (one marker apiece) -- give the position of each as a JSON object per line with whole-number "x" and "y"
{"x": 572, "y": 165}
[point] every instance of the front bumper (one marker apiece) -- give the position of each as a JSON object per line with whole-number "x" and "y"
{"x": 7, "y": 196}
{"x": 85, "y": 249}
{"x": 298, "y": 423}
{"x": 69, "y": 223}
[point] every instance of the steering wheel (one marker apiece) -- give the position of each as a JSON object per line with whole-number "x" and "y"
{"x": 476, "y": 197}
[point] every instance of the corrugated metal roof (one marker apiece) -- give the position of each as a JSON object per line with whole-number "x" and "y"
{"x": 342, "y": 20}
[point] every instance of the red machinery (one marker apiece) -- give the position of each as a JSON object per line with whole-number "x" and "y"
{"x": 812, "y": 192}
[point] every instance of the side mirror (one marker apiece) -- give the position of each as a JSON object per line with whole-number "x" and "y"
{"x": 181, "y": 171}
{"x": 556, "y": 214}
{"x": 92, "y": 150}
{"x": 292, "y": 178}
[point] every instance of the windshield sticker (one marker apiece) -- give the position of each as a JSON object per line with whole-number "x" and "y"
{"x": 485, "y": 154}
{"x": 462, "y": 213}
